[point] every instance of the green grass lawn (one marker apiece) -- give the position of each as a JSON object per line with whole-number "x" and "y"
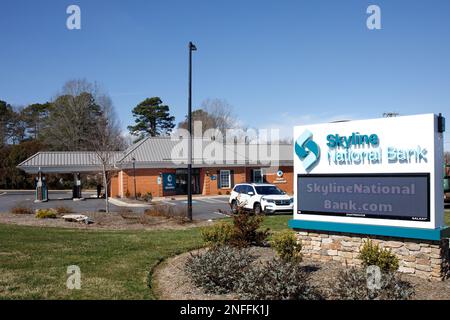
{"x": 114, "y": 264}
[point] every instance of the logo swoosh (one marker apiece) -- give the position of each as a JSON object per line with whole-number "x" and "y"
{"x": 307, "y": 150}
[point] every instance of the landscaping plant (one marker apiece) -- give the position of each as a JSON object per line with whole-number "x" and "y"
{"x": 286, "y": 245}
{"x": 277, "y": 280}
{"x": 21, "y": 210}
{"x": 372, "y": 255}
{"x": 46, "y": 213}
{"x": 353, "y": 284}
{"x": 218, "y": 234}
{"x": 246, "y": 230}
{"x": 219, "y": 269}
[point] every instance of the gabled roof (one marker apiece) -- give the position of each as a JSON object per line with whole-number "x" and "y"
{"x": 172, "y": 152}
{"x": 159, "y": 152}
{"x": 64, "y": 162}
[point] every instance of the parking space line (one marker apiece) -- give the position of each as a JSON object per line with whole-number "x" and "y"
{"x": 206, "y": 200}
{"x": 3, "y": 193}
{"x": 213, "y": 200}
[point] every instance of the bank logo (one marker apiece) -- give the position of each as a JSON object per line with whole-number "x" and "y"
{"x": 307, "y": 150}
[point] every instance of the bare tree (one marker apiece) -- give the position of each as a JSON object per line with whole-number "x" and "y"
{"x": 222, "y": 113}
{"x": 214, "y": 114}
{"x": 106, "y": 143}
{"x": 73, "y": 115}
{"x": 82, "y": 118}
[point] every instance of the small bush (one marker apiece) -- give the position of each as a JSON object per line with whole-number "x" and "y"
{"x": 352, "y": 284}
{"x": 170, "y": 212}
{"x": 148, "y": 197}
{"x": 127, "y": 194}
{"x": 219, "y": 234}
{"x": 277, "y": 280}
{"x": 138, "y": 195}
{"x": 286, "y": 245}
{"x": 219, "y": 269}
{"x": 372, "y": 255}
{"x": 46, "y": 213}
{"x": 21, "y": 210}
{"x": 246, "y": 230}
{"x": 63, "y": 210}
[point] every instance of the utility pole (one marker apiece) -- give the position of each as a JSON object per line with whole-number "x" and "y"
{"x": 192, "y": 47}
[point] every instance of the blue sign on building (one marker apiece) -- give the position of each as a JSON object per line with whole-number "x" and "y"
{"x": 169, "y": 182}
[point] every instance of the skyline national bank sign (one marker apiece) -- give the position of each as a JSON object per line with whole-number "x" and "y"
{"x": 380, "y": 176}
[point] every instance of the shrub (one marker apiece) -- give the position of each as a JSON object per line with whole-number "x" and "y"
{"x": 219, "y": 269}
{"x": 148, "y": 197}
{"x": 46, "y": 213}
{"x": 63, "y": 210}
{"x": 22, "y": 210}
{"x": 171, "y": 212}
{"x": 372, "y": 255}
{"x": 277, "y": 280}
{"x": 127, "y": 194}
{"x": 286, "y": 245}
{"x": 138, "y": 195}
{"x": 352, "y": 284}
{"x": 219, "y": 234}
{"x": 245, "y": 230}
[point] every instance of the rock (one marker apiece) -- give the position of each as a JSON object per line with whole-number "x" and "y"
{"x": 413, "y": 246}
{"x": 393, "y": 244}
{"x": 406, "y": 270}
{"x": 332, "y": 252}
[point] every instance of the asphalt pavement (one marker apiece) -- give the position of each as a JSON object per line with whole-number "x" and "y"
{"x": 203, "y": 208}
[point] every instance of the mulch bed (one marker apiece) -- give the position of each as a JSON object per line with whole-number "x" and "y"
{"x": 103, "y": 221}
{"x": 170, "y": 281}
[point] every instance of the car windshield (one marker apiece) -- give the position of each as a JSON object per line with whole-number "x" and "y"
{"x": 266, "y": 190}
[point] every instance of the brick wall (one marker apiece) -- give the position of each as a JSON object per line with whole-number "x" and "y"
{"x": 286, "y": 182}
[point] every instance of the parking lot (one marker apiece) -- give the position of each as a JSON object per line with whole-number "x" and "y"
{"x": 204, "y": 208}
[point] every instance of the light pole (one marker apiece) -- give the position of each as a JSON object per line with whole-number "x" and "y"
{"x": 192, "y": 47}
{"x": 134, "y": 176}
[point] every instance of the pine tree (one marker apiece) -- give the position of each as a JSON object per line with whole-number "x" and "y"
{"x": 152, "y": 118}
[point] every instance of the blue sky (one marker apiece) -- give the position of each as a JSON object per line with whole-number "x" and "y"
{"x": 279, "y": 63}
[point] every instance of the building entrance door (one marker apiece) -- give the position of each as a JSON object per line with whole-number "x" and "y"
{"x": 181, "y": 177}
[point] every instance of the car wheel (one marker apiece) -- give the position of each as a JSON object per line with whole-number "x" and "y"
{"x": 234, "y": 207}
{"x": 257, "y": 208}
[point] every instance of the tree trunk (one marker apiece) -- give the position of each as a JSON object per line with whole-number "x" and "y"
{"x": 105, "y": 185}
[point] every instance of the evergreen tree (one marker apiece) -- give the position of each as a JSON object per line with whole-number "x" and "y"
{"x": 152, "y": 118}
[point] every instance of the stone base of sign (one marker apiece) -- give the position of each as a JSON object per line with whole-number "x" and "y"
{"x": 421, "y": 258}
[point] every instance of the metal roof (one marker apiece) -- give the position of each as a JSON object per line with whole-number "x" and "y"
{"x": 172, "y": 152}
{"x": 65, "y": 162}
{"x": 162, "y": 152}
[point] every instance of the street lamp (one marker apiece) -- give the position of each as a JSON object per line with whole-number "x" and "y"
{"x": 192, "y": 47}
{"x": 134, "y": 176}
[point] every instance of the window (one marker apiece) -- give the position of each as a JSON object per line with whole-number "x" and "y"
{"x": 257, "y": 176}
{"x": 266, "y": 190}
{"x": 225, "y": 179}
{"x": 249, "y": 189}
{"x": 238, "y": 189}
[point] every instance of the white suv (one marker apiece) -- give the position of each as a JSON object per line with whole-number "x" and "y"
{"x": 260, "y": 197}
